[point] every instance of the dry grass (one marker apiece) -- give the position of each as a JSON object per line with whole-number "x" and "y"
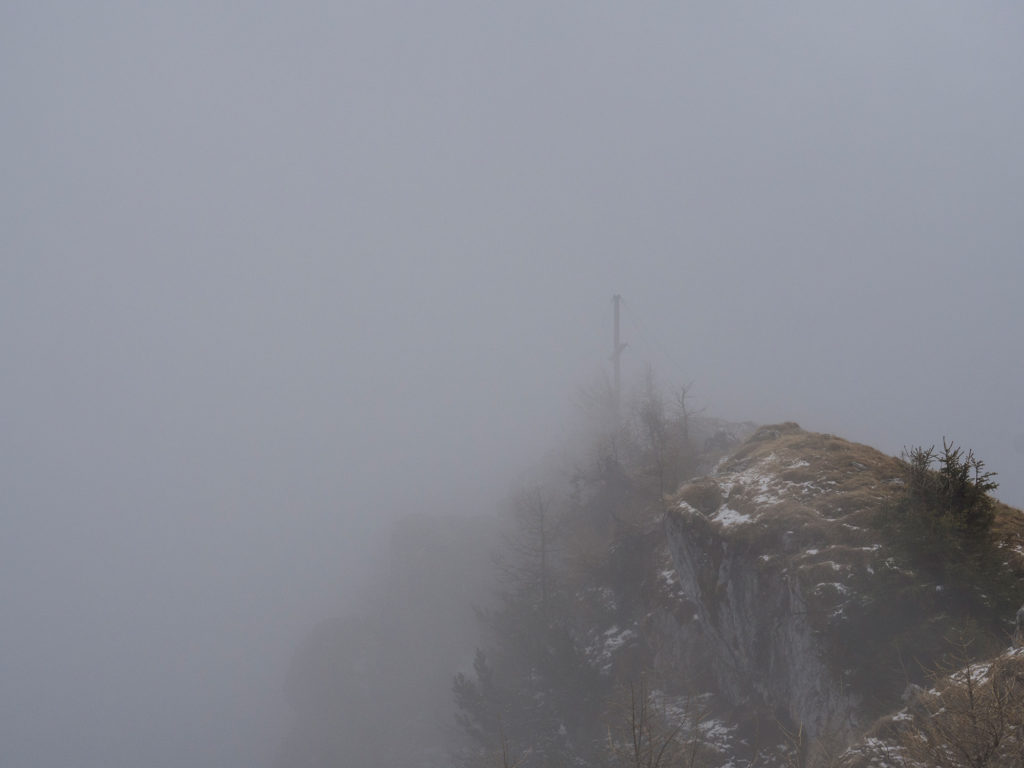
{"x": 801, "y": 489}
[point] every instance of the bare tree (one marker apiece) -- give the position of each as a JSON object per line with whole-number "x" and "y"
{"x": 654, "y": 428}
{"x": 972, "y": 717}
{"x": 646, "y": 737}
{"x": 684, "y": 411}
{"x": 534, "y": 549}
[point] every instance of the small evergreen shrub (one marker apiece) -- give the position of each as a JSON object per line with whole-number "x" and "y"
{"x": 943, "y": 522}
{"x": 952, "y": 499}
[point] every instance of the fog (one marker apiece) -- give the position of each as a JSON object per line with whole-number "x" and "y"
{"x": 273, "y": 275}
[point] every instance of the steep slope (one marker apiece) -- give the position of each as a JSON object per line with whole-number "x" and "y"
{"x": 810, "y": 612}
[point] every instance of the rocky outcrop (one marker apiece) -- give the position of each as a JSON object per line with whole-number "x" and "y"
{"x": 773, "y": 551}
{"x": 755, "y": 615}
{"x": 811, "y": 612}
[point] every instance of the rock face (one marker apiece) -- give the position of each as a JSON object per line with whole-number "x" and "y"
{"x": 763, "y": 646}
{"x": 774, "y": 553}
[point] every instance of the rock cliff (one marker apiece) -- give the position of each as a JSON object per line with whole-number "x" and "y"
{"x": 808, "y": 611}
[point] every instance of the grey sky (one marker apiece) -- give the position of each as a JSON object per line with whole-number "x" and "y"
{"x": 273, "y": 273}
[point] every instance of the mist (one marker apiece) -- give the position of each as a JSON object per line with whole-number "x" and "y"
{"x": 273, "y": 277}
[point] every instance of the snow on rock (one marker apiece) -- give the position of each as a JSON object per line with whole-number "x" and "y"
{"x": 728, "y": 517}
{"x": 603, "y": 649}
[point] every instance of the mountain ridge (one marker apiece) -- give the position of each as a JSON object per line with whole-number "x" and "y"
{"x": 768, "y": 611}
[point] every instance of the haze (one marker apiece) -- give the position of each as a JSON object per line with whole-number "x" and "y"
{"x": 272, "y": 275}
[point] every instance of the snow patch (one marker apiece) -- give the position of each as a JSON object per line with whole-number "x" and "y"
{"x": 728, "y": 517}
